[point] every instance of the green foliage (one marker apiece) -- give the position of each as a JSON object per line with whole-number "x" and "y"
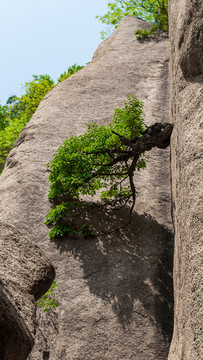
{"x": 47, "y": 301}
{"x": 19, "y": 109}
{"x": 62, "y": 229}
{"x": 56, "y": 216}
{"x": 143, "y": 34}
{"x": 3, "y": 117}
{"x": 8, "y": 136}
{"x": 155, "y": 11}
{"x": 71, "y": 71}
{"x": 34, "y": 92}
{"x": 96, "y": 160}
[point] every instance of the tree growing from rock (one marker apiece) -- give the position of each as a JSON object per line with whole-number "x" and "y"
{"x": 154, "y": 11}
{"x": 103, "y": 159}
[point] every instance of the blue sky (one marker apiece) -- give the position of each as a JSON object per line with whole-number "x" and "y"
{"x": 45, "y": 37}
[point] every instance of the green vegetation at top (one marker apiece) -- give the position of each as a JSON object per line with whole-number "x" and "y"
{"x": 154, "y": 11}
{"x": 18, "y": 110}
{"x": 103, "y": 159}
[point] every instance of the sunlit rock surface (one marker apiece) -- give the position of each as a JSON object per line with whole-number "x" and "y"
{"x": 115, "y": 291}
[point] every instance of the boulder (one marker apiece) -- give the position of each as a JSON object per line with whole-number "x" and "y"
{"x": 25, "y": 275}
{"x": 114, "y": 291}
{"x": 186, "y": 110}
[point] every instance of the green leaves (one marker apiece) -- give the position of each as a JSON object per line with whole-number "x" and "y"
{"x": 143, "y": 34}
{"x": 47, "y": 301}
{"x": 18, "y": 110}
{"x": 155, "y": 11}
{"x": 8, "y": 136}
{"x": 34, "y": 93}
{"x": 61, "y": 230}
{"x": 81, "y": 165}
{"x": 128, "y": 120}
{"x": 71, "y": 71}
{"x": 101, "y": 158}
{"x": 3, "y": 117}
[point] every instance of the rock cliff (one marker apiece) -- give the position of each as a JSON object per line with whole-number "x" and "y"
{"x": 115, "y": 291}
{"x": 186, "y": 37}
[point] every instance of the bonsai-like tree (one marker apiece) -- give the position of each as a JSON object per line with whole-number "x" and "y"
{"x": 103, "y": 159}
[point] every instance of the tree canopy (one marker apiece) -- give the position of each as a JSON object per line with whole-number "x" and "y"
{"x": 71, "y": 71}
{"x": 18, "y": 110}
{"x": 103, "y": 159}
{"x": 3, "y": 117}
{"x": 154, "y": 11}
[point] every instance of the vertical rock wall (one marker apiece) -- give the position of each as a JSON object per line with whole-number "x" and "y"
{"x": 186, "y": 37}
{"x": 115, "y": 291}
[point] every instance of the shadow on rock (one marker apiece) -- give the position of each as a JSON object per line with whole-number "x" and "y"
{"x": 131, "y": 269}
{"x": 16, "y": 341}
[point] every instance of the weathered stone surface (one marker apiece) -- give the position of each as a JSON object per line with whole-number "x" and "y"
{"x": 25, "y": 275}
{"x": 186, "y": 35}
{"x": 115, "y": 291}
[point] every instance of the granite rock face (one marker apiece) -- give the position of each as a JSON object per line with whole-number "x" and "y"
{"x": 115, "y": 291}
{"x": 186, "y": 36}
{"x": 25, "y": 275}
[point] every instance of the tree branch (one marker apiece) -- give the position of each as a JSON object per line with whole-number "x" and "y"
{"x": 124, "y": 140}
{"x": 156, "y": 135}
